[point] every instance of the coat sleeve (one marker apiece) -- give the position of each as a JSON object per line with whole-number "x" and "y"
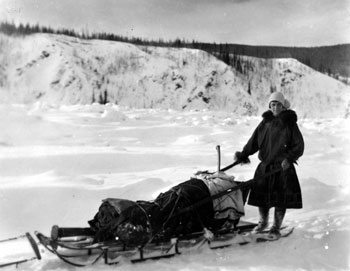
{"x": 296, "y": 145}
{"x": 252, "y": 145}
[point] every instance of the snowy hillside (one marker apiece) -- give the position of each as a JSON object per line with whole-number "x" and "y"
{"x": 312, "y": 94}
{"x": 58, "y": 70}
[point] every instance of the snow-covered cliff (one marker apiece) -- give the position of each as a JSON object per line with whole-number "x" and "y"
{"x": 56, "y": 70}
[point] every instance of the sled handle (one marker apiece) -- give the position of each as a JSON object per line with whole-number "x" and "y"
{"x": 32, "y": 244}
{"x": 231, "y": 166}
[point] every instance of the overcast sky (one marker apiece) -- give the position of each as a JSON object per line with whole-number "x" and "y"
{"x": 254, "y": 22}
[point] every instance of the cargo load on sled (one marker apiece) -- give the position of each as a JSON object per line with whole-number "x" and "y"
{"x": 183, "y": 209}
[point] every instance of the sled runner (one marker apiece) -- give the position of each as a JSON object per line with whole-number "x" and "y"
{"x": 80, "y": 250}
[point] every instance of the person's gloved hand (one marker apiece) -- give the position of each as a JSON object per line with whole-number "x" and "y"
{"x": 285, "y": 164}
{"x": 240, "y": 158}
{"x": 237, "y": 156}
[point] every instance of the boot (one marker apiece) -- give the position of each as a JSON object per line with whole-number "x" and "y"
{"x": 275, "y": 229}
{"x": 263, "y": 221}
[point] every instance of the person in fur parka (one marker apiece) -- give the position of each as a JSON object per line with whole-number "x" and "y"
{"x": 280, "y": 144}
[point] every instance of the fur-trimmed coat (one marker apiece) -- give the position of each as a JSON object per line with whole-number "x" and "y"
{"x": 276, "y": 139}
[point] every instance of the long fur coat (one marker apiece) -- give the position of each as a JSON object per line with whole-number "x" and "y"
{"x": 276, "y": 139}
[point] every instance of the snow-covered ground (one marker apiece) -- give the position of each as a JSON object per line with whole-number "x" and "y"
{"x": 58, "y": 163}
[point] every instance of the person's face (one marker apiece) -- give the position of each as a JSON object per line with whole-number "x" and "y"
{"x": 276, "y": 108}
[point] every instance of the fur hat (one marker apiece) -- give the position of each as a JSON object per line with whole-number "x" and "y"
{"x": 278, "y": 97}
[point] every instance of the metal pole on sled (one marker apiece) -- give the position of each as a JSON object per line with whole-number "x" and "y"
{"x": 219, "y": 157}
